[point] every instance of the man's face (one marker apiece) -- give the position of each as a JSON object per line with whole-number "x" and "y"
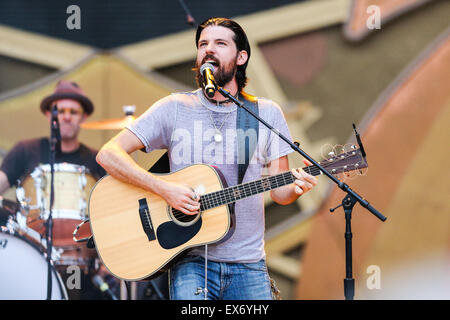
{"x": 70, "y": 117}
{"x": 216, "y": 46}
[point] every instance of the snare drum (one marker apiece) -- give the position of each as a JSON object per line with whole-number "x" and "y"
{"x": 23, "y": 270}
{"x": 72, "y": 185}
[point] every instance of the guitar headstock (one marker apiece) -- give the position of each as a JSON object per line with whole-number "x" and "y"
{"x": 346, "y": 159}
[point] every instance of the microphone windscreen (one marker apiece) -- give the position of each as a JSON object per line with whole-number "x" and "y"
{"x": 206, "y": 66}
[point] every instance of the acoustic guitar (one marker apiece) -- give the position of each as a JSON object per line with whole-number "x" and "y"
{"x": 138, "y": 235}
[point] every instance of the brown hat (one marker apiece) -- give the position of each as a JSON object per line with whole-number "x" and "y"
{"x": 68, "y": 90}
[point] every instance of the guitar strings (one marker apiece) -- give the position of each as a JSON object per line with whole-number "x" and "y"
{"x": 223, "y": 197}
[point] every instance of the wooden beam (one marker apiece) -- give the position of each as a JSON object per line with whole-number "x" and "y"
{"x": 284, "y": 265}
{"x": 162, "y": 51}
{"x": 168, "y": 50}
{"x": 293, "y": 19}
{"x": 40, "y": 49}
{"x": 263, "y": 82}
{"x": 288, "y": 238}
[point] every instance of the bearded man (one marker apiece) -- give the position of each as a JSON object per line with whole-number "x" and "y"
{"x": 198, "y": 129}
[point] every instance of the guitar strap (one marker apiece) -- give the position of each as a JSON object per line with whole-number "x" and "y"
{"x": 246, "y": 146}
{"x": 245, "y": 121}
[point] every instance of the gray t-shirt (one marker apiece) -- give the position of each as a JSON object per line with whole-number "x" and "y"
{"x": 183, "y": 124}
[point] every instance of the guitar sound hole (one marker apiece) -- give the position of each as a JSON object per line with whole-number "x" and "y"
{"x": 181, "y": 218}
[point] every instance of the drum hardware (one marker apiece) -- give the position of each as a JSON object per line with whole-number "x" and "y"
{"x": 8, "y": 208}
{"x": 73, "y": 184}
{"x": 16, "y": 226}
{"x": 23, "y": 201}
{"x": 74, "y": 234}
{"x": 61, "y": 256}
{"x": 39, "y": 181}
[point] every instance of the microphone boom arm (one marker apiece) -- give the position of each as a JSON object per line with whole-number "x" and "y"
{"x": 344, "y": 187}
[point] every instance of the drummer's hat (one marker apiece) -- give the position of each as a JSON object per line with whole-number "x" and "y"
{"x": 68, "y": 90}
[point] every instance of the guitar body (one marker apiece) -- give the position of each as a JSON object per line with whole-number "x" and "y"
{"x": 137, "y": 234}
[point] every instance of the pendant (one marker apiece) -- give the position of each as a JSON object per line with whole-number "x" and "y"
{"x": 218, "y": 137}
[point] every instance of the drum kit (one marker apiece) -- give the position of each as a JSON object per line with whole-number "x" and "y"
{"x": 23, "y": 248}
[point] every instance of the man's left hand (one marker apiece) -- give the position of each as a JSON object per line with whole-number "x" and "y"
{"x": 304, "y": 181}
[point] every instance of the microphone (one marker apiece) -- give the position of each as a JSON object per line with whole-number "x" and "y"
{"x": 103, "y": 286}
{"x": 358, "y": 139}
{"x": 207, "y": 71}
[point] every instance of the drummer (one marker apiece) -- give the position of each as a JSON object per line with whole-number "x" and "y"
{"x": 74, "y": 107}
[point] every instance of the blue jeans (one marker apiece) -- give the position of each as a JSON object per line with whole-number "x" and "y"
{"x": 226, "y": 281}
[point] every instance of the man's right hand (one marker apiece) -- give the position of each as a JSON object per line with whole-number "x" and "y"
{"x": 115, "y": 158}
{"x": 181, "y": 197}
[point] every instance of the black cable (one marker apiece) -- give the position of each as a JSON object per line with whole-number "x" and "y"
{"x": 189, "y": 18}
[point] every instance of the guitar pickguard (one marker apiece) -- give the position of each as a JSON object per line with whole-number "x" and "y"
{"x": 171, "y": 235}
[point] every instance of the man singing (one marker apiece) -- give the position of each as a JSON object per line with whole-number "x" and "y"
{"x": 198, "y": 129}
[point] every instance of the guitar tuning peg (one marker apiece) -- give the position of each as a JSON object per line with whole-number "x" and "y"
{"x": 325, "y": 151}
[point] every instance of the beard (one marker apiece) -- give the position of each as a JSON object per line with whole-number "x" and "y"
{"x": 222, "y": 74}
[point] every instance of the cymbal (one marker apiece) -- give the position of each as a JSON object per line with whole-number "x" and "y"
{"x": 109, "y": 124}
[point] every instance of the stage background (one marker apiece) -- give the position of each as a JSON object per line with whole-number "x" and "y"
{"x": 326, "y": 66}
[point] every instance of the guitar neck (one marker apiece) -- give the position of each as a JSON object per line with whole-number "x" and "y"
{"x": 241, "y": 191}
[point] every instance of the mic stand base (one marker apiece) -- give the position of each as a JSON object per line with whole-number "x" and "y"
{"x": 349, "y": 283}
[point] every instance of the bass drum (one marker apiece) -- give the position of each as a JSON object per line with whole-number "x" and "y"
{"x": 23, "y": 270}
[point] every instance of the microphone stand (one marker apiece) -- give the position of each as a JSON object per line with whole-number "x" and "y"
{"x": 347, "y": 203}
{"x": 55, "y": 140}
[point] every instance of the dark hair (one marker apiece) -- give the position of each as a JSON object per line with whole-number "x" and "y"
{"x": 240, "y": 39}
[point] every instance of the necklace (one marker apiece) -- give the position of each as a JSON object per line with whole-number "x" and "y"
{"x": 218, "y": 135}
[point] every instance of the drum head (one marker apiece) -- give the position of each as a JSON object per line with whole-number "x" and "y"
{"x": 23, "y": 271}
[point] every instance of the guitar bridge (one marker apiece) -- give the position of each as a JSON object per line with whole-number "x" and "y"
{"x": 146, "y": 220}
